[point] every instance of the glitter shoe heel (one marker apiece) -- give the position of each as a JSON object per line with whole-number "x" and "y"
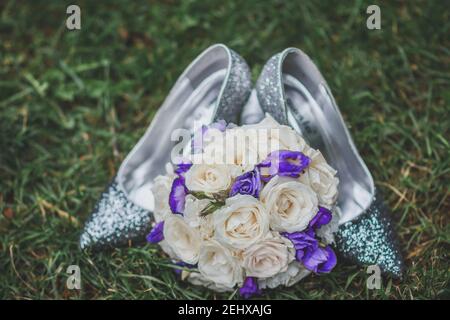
{"x": 214, "y": 87}
{"x": 293, "y": 91}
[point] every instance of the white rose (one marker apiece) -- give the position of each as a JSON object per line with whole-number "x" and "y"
{"x": 294, "y": 273}
{"x": 276, "y": 137}
{"x": 161, "y": 190}
{"x": 208, "y": 178}
{"x": 321, "y": 177}
{"x": 207, "y": 227}
{"x": 248, "y": 145}
{"x": 193, "y": 208}
{"x": 241, "y": 222}
{"x": 268, "y": 257}
{"x": 235, "y": 150}
{"x": 167, "y": 249}
{"x": 184, "y": 240}
{"x": 217, "y": 263}
{"x": 291, "y": 204}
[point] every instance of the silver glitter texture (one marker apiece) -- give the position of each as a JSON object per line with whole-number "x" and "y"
{"x": 236, "y": 91}
{"x": 370, "y": 240}
{"x": 115, "y": 221}
{"x": 270, "y": 91}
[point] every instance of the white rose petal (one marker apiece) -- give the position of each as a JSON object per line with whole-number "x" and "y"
{"x": 207, "y": 227}
{"x": 208, "y": 178}
{"x": 217, "y": 263}
{"x": 248, "y": 145}
{"x": 167, "y": 249}
{"x": 321, "y": 177}
{"x": 291, "y": 204}
{"x": 268, "y": 257}
{"x": 235, "y": 150}
{"x": 193, "y": 208}
{"x": 182, "y": 239}
{"x": 277, "y": 137}
{"x": 161, "y": 190}
{"x": 241, "y": 222}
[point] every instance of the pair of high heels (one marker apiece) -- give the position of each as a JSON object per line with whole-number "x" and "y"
{"x": 217, "y": 86}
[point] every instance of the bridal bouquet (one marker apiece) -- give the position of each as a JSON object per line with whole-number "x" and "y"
{"x": 250, "y": 207}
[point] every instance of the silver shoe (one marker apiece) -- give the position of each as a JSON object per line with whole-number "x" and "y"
{"x": 215, "y": 86}
{"x": 293, "y": 91}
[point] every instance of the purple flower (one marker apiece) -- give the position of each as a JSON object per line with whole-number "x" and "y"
{"x": 303, "y": 243}
{"x": 249, "y": 288}
{"x": 321, "y": 260}
{"x": 177, "y": 196}
{"x": 156, "y": 234}
{"x": 183, "y": 167}
{"x": 183, "y": 265}
{"x": 308, "y": 252}
{"x": 322, "y": 217}
{"x": 247, "y": 183}
{"x": 283, "y": 163}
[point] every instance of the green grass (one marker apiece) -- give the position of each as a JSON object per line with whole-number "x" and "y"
{"x": 73, "y": 103}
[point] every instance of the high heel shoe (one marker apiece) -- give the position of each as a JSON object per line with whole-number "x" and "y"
{"x": 293, "y": 91}
{"x": 215, "y": 86}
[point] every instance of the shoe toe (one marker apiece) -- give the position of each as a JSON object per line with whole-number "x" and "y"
{"x": 115, "y": 221}
{"x": 370, "y": 240}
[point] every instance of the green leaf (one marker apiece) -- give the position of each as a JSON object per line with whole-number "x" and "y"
{"x": 200, "y": 195}
{"x": 211, "y": 208}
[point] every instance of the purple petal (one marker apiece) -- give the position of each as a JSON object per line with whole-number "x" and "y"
{"x": 177, "y": 196}
{"x": 183, "y": 167}
{"x": 322, "y": 260}
{"x": 249, "y": 288}
{"x": 283, "y": 163}
{"x": 303, "y": 243}
{"x": 156, "y": 234}
{"x": 313, "y": 258}
{"x": 308, "y": 251}
{"x": 328, "y": 265}
{"x": 322, "y": 217}
{"x": 248, "y": 183}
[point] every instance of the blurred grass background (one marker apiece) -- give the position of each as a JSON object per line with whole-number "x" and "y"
{"x": 73, "y": 103}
